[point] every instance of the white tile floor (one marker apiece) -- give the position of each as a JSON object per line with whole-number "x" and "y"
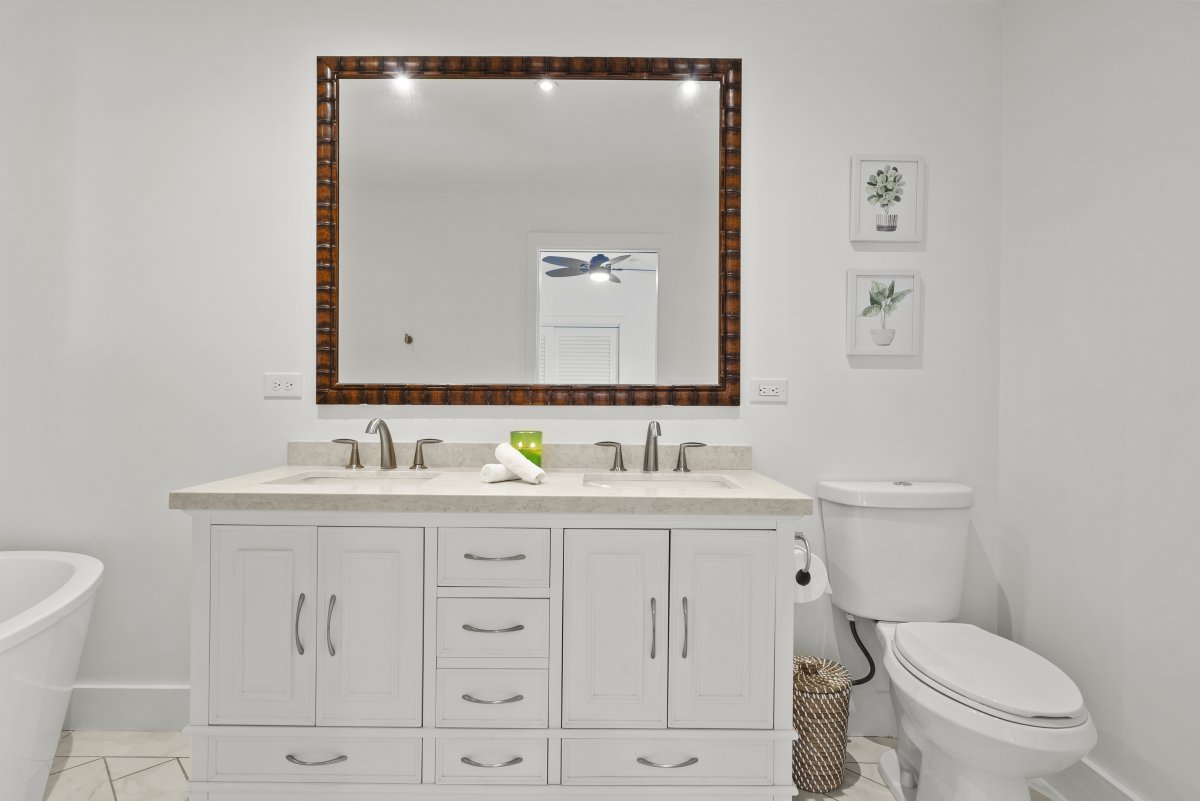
{"x": 153, "y": 766}
{"x": 120, "y": 766}
{"x": 862, "y": 780}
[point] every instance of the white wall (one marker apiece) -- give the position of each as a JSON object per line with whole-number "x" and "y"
{"x": 1099, "y": 433}
{"x": 161, "y": 258}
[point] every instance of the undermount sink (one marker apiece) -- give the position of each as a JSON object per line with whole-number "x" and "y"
{"x": 343, "y": 478}
{"x": 666, "y": 481}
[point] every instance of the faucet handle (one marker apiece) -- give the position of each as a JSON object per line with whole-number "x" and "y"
{"x": 418, "y": 462}
{"x": 352, "y": 463}
{"x": 618, "y": 465}
{"x": 681, "y": 465}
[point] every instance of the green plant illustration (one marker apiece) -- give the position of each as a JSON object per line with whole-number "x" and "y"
{"x": 884, "y": 300}
{"x": 885, "y": 187}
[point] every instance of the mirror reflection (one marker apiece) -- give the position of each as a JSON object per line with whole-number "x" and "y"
{"x": 494, "y": 231}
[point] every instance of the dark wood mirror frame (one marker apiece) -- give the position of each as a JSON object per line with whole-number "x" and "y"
{"x": 726, "y": 392}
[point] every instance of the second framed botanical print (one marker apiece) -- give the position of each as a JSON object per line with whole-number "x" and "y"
{"x": 883, "y": 313}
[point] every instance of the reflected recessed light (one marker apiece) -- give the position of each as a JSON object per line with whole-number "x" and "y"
{"x": 689, "y": 87}
{"x": 547, "y": 84}
{"x": 401, "y": 82}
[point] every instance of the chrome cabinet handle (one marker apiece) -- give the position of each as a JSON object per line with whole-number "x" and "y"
{"x": 685, "y": 627}
{"x": 514, "y": 761}
{"x": 509, "y": 630}
{"x": 333, "y": 761}
{"x": 474, "y": 700}
{"x": 514, "y": 558}
{"x": 684, "y": 764}
{"x": 329, "y": 625}
{"x": 653, "y": 627}
{"x": 299, "y": 606}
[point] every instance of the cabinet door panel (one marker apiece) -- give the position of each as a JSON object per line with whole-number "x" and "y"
{"x": 258, "y": 673}
{"x": 612, "y": 581}
{"x": 372, "y": 675}
{"x": 726, "y": 581}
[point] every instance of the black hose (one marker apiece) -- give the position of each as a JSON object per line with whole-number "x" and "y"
{"x": 870, "y": 673}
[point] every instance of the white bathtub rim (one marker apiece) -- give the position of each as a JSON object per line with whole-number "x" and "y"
{"x": 77, "y": 591}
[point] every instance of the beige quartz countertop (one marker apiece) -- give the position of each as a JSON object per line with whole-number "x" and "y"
{"x": 459, "y": 489}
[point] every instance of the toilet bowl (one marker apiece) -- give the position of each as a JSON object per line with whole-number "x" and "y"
{"x": 978, "y": 715}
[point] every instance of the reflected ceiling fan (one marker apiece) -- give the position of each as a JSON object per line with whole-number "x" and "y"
{"x": 598, "y": 268}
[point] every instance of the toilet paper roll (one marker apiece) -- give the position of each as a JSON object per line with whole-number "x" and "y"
{"x": 818, "y": 583}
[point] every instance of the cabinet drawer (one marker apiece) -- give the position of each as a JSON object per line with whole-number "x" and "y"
{"x": 367, "y": 759}
{"x": 493, "y": 557}
{"x": 493, "y": 627}
{"x": 717, "y": 762}
{"x": 486, "y": 761}
{"x": 492, "y": 698}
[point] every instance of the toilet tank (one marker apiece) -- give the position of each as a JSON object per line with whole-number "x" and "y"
{"x": 896, "y": 549}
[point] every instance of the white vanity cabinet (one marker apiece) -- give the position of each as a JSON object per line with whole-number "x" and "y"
{"x": 316, "y": 626}
{"x": 697, "y": 655}
{"x": 399, "y": 656}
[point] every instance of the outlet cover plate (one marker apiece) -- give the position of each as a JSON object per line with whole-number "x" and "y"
{"x": 768, "y": 390}
{"x": 281, "y": 385}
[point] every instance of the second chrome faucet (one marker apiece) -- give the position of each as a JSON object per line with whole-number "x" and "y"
{"x": 387, "y": 448}
{"x": 650, "y": 458}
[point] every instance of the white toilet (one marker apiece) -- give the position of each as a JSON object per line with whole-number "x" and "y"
{"x": 979, "y": 716}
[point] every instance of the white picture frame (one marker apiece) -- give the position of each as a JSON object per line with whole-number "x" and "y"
{"x": 867, "y": 334}
{"x": 901, "y": 218}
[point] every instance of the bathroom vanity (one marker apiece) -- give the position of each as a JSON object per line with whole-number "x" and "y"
{"x": 422, "y": 635}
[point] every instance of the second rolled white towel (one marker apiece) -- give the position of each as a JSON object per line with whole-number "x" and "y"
{"x": 515, "y": 461}
{"x": 491, "y": 473}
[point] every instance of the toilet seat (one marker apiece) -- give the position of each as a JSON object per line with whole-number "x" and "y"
{"x": 989, "y": 673}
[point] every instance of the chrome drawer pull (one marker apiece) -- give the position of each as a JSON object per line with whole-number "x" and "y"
{"x": 299, "y": 606}
{"x": 514, "y": 558}
{"x": 333, "y": 761}
{"x": 474, "y": 700}
{"x": 508, "y": 764}
{"x": 649, "y": 764}
{"x": 509, "y": 630}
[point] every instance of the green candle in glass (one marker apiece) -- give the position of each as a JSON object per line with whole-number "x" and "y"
{"x": 528, "y": 444}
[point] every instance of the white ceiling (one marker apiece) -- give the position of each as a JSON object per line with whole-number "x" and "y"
{"x": 584, "y": 133}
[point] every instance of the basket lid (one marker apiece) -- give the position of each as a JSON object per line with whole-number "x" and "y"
{"x": 989, "y": 670}
{"x": 821, "y": 676}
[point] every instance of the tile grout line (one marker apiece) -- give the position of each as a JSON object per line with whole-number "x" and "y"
{"x": 108, "y": 773}
{"x": 165, "y": 760}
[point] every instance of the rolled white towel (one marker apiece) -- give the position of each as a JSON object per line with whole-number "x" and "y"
{"x": 515, "y": 461}
{"x": 491, "y": 473}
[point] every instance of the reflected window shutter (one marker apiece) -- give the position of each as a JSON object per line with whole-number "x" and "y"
{"x": 541, "y": 355}
{"x": 578, "y": 355}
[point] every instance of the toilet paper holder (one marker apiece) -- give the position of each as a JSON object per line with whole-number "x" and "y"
{"x": 803, "y": 576}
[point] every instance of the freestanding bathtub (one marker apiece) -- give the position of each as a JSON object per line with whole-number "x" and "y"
{"x": 45, "y": 606}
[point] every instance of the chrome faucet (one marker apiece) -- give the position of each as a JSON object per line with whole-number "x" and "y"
{"x": 387, "y": 449}
{"x": 650, "y": 459}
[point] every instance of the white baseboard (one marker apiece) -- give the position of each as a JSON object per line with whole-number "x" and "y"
{"x": 1084, "y": 781}
{"x": 123, "y": 707}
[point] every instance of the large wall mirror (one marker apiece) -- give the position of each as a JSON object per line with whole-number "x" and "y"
{"x": 520, "y": 231}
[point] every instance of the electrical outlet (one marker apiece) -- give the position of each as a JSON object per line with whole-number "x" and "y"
{"x": 768, "y": 390}
{"x": 281, "y": 385}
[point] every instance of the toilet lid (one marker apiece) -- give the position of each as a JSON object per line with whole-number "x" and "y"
{"x": 990, "y": 673}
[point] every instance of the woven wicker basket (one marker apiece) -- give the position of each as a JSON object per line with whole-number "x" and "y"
{"x": 820, "y": 710}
